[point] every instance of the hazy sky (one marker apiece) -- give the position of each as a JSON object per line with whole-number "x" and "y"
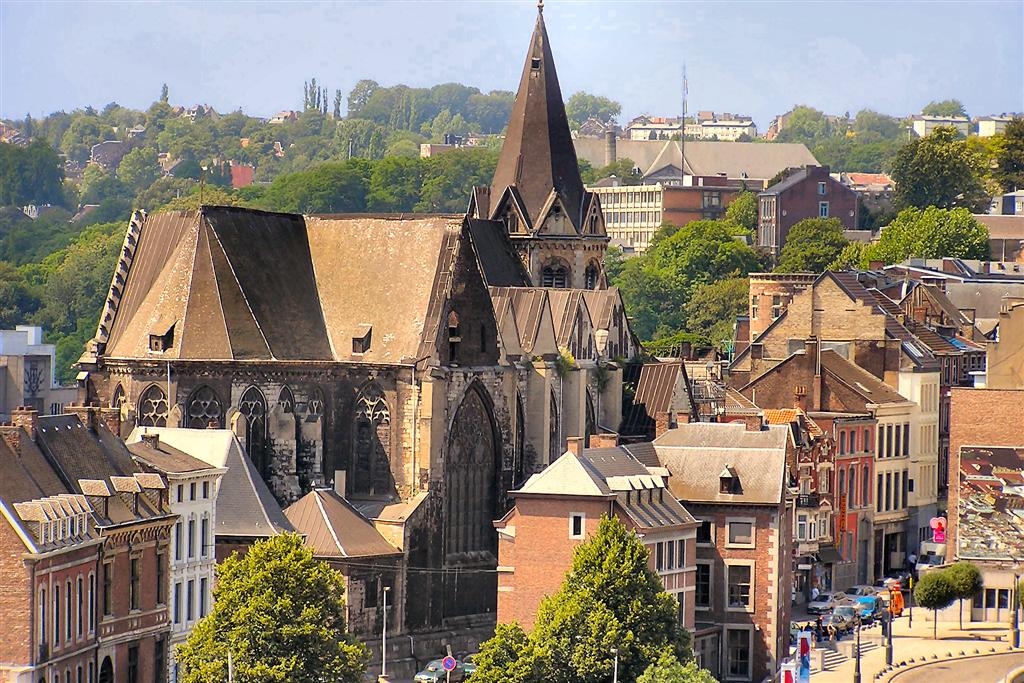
{"x": 757, "y": 58}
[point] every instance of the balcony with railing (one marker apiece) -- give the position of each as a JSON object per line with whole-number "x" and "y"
{"x": 808, "y": 500}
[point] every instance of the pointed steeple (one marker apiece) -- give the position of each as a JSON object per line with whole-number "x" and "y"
{"x": 538, "y": 154}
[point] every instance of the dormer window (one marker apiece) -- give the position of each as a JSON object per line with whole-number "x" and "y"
{"x": 535, "y": 63}
{"x": 361, "y": 339}
{"x": 729, "y": 481}
{"x": 161, "y": 338}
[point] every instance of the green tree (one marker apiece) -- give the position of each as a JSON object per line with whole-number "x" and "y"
{"x": 742, "y": 211}
{"x": 934, "y": 591}
{"x": 17, "y": 300}
{"x": 614, "y": 261}
{"x": 328, "y": 188}
{"x": 711, "y": 311}
{"x": 930, "y": 233}
{"x": 1009, "y": 170}
{"x": 582, "y": 106}
{"x": 164, "y": 93}
{"x": 359, "y": 97}
{"x": 139, "y": 168}
{"x": 30, "y": 175}
{"x": 940, "y": 170}
{"x": 965, "y": 578}
{"x": 668, "y": 669}
{"x": 869, "y": 122}
{"x": 849, "y": 258}
{"x": 811, "y": 245}
{"x": 84, "y": 132}
{"x": 510, "y": 657}
{"x": 944, "y": 108}
{"x": 449, "y": 178}
{"x": 281, "y": 615}
{"x": 395, "y": 184}
{"x": 806, "y": 125}
{"x": 657, "y": 285}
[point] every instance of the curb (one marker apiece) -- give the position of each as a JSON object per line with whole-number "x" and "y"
{"x": 889, "y": 674}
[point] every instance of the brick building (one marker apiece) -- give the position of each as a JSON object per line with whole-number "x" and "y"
{"x": 562, "y": 506}
{"x": 111, "y": 611}
{"x": 807, "y": 193}
{"x": 733, "y": 479}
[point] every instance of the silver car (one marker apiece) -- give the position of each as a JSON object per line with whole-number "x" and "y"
{"x": 825, "y": 602}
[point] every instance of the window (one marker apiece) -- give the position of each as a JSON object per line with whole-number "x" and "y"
{"x": 177, "y": 603}
{"x": 576, "y": 525}
{"x": 842, "y": 443}
{"x": 865, "y": 483}
{"x": 108, "y": 584}
{"x": 68, "y": 619}
{"x": 867, "y": 440}
{"x": 906, "y": 439}
{"x": 591, "y": 276}
{"x": 881, "y": 493}
{"x": 152, "y": 411}
{"x": 741, "y": 534}
{"x": 702, "y": 589}
{"x": 842, "y": 481}
{"x": 681, "y": 545}
{"x": 191, "y": 538}
{"x": 738, "y": 586}
{"x": 206, "y": 489}
{"x": 705, "y": 533}
{"x": 92, "y": 672}
{"x": 659, "y": 552}
{"x": 852, "y": 488}
{"x": 203, "y": 589}
{"x": 204, "y": 536}
{"x": 192, "y": 491}
{"x": 190, "y": 600}
{"x": 56, "y": 615}
{"x": 555, "y": 275}
{"x": 822, "y": 189}
{"x": 133, "y": 664}
{"x": 43, "y": 607}
{"x": 801, "y": 527}
{"x": 177, "y": 539}
{"x": 738, "y": 653}
{"x": 898, "y": 442}
{"x": 204, "y": 409}
{"x": 133, "y": 588}
{"x": 92, "y": 603}
{"x": 160, "y": 657}
{"x": 906, "y": 487}
{"x": 888, "y": 492}
{"x": 181, "y": 492}
{"x": 80, "y": 613}
{"x": 776, "y": 306}
{"x": 161, "y": 578}
{"x": 822, "y": 209}
{"x": 753, "y": 306}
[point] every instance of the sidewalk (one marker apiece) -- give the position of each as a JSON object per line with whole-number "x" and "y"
{"x": 916, "y": 643}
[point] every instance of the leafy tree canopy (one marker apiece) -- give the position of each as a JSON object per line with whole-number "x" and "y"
{"x": 711, "y": 311}
{"x": 610, "y": 599}
{"x": 582, "y": 106}
{"x": 281, "y": 615}
{"x": 742, "y": 211}
{"x": 811, "y": 245}
{"x": 934, "y": 591}
{"x": 965, "y": 578}
{"x": 1009, "y": 161}
{"x": 940, "y": 170}
{"x": 944, "y": 108}
{"x": 30, "y": 175}
{"x": 930, "y": 233}
{"x": 668, "y": 669}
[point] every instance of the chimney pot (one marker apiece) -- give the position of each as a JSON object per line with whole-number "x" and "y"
{"x": 574, "y": 444}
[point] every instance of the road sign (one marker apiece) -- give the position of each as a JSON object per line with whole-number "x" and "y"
{"x": 448, "y": 663}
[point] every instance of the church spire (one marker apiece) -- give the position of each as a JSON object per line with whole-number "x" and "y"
{"x": 538, "y": 154}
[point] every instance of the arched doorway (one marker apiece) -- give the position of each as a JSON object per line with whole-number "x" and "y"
{"x": 106, "y": 671}
{"x": 471, "y": 482}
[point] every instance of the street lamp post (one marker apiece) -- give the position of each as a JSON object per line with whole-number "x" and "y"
{"x": 856, "y": 662}
{"x": 887, "y": 625}
{"x": 1015, "y": 621}
{"x": 384, "y": 638}
{"x": 615, "y": 671}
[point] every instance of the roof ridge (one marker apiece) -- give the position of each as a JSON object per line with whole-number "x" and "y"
{"x": 327, "y": 520}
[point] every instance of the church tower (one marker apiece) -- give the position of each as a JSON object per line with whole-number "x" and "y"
{"x": 554, "y": 223}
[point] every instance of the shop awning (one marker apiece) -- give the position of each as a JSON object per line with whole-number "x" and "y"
{"x": 827, "y": 554}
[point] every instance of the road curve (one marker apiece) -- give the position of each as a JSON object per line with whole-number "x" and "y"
{"x": 985, "y": 669}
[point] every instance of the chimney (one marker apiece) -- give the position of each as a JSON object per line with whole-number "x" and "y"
{"x": 604, "y": 440}
{"x": 876, "y": 265}
{"x": 111, "y": 417}
{"x": 87, "y": 414}
{"x": 609, "y": 147}
{"x": 26, "y": 418}
{"x": 339, "y": 482}
{"x": 754, "y": 423}
{"x": 798, "y": 397}
{"x": 574, "y": 444}
{"x": 661, "y": 424}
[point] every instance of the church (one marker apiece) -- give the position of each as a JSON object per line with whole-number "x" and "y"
{"x": 420, "y": 365}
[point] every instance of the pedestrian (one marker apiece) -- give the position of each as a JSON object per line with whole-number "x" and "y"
{"x": 832, "y": 632}
{"x": 814, "y": 593}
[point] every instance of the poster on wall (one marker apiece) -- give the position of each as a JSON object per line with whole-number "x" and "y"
{"x": 803, "y": 659}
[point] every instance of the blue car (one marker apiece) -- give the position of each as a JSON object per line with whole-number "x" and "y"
{"x": 869, "y": 608}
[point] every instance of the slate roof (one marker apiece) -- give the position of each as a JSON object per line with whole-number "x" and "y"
{"x": 335, "y": 529}
{"x": 614, "y": 473}
{"x": 534, "y": 319}
{"x": 537, "y": 154}
{"x": 860, "y": 381}
{"x": 245, "y": 506}
{"x": 500, "y": 265}
{"x": 696, "y": 453}
{"x": 166, "y": 458}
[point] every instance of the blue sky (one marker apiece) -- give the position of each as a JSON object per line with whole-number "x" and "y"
{"x": 758, "y": 58}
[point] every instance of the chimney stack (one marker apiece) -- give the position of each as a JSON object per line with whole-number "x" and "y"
{"x": 26, "y": 418}
{"x": 574, "y": 444}
{"x": 609, "y": 147}
{"x": 604, "y": 440}
{"x": 339, "y": 482}
{"x": 798, "y": 397}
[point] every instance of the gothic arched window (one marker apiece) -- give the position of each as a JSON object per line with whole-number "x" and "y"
{"x": 371, "y": 448}
{"x": 204, "y": 409}
{"x": 286, "y": 400}
{"x": 591, "y": 425}
{"x": 554, "y": 448}
{"x": 117, "y": 400}
{"x": 555, "y": 274}
{"x": 153, "y": 407}
{"x": 316, "y": 402}
{"x": 253, "y": 406}
{"x": 591, "y": 276}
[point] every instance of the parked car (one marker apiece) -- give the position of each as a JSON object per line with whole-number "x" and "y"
{"x": 826, "y": 602}
{"x": 861, "y": 590}
{"x": 843, "y": 623}
{"x": 469, "y": 665}
{"x": 847, "y": 612}
{"x": 869, "y": 608}
{"x": 435, "y": 673}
